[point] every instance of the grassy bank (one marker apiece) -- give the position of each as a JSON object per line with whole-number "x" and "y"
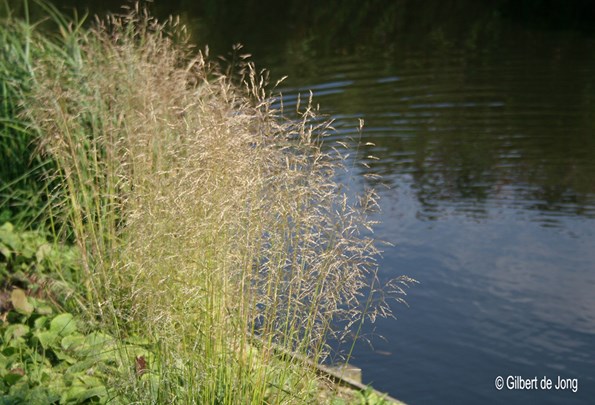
{"x": 209, "y": 228}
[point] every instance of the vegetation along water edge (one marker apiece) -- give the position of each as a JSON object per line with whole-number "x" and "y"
{"x": 165, "y": 231}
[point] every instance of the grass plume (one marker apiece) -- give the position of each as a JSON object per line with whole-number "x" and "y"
{"x": 207, "y": 220}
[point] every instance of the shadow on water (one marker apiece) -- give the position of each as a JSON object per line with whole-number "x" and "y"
{"x": 508, "y": 127}
{"x": 483, "y": 117}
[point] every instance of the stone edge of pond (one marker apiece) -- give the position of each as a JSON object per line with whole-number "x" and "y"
{"x": 338, "y": 375}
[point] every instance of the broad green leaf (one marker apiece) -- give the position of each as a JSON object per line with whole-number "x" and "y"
{"x": 63, "y": 356}
{"x": 9, "y": 351}
{"x": 12, "y": 377}
{"x": 7, "y": 227}
{"x": 73, "y": 394}
{"x": 73, "y": 342}
{"x": 152, "y": 382}
{"x": 63, "y": 324}
{"x": 44, "y": 309}
{"x": 79, "y": 394}
{"x": 41, "y": 306}
{"x": 8, "y": 237}
{"x": 47, "y": 338}
{"x": 98, "y": 343}
{"x": 95, "y": 392}
{"x": 82, "y": 366}
{"x": 40, "y": 322}
{"x": 132, "y": 352}
{"x": 4, "y": 362}
{"x": 21, "y": 345}
{"x": 89, "y": 381}
{"x": 5, "y": 250}
{"x": 20, "y": 302}
{"x": 137, "y": 340}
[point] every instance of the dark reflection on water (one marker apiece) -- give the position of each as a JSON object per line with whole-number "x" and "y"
{"x": 490, "y": 159}
{"x": 485, "y": 132}
{"x": 511, "y": 128}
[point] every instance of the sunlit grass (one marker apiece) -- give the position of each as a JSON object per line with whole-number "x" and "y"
{"x": 208, "y": 222}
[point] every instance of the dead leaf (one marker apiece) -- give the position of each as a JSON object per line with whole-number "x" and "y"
{"x": 141, "y": 365}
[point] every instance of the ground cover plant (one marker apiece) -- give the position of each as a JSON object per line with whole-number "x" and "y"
{"x": 211, "y": 232}
{"x": 47, "y": 354}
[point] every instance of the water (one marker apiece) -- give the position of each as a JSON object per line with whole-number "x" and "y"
{"x": 490, "y": 160}
{"x": 484, "y": 126}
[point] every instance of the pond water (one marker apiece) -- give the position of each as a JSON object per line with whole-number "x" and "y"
{"x": 485, "y": 136}
{"x": 489, "y": 154}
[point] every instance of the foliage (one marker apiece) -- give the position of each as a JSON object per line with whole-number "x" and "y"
{"x": 44, "y": 359}
{"x": 205, "y": 222}
{"x": 48, "y": 355}
{"x": 42, "y": 353}
{"x": 29, "y": 262}
{"x": 22, "y": 196}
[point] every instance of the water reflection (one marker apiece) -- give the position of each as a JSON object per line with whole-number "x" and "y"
{"x": 510, "y": 129}
{"x": 490, "y": 159}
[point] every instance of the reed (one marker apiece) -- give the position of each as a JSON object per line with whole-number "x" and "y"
{"x": 208, "y": 221}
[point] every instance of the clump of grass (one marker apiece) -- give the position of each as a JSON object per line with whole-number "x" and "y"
{"x": 17, "y": 183}
{"x": 207, "y": 221}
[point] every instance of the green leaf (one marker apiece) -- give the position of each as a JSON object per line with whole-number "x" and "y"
{"x": 8, "y": 237}
{"x": 40, "y": 322}
{"x": 64, "y": 357}
{"x": 137, "y": 340}
{"x": 9, "y": 351}
{"x": 73, "y": 342}
{"x": 98, "y": 343}
{"x": 4, "y": 362}
{"x": 12, "y": 377}
{"x": 7, "y": 227}
{"x": 82, "y": 366}
{"x": 96, "y": 392}
{"x": 90, "y": 381}
{"x": 151, "y": 382}
{"x": 46, "y": 338}
{"x": 15, "y": 331}
{"x": 20, "y": 302}
{"x": 41, "y": 306}
{"x": 42, "y": 252}
{"x": 40, "y": 396}
{"x": 73, "y": 394}
{"x": 63, "y": 324}
{"x": 44, "y": 309}
{"x": 5, "y": 250}
{"x": 28, "y": 250}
